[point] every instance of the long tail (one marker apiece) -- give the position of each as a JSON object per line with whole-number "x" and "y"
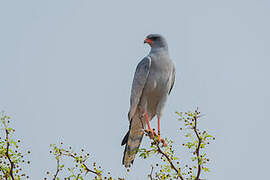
{"x": 133, "y": 139}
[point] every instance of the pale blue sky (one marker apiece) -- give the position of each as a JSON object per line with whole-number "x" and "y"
{"x": 67, "y": 68}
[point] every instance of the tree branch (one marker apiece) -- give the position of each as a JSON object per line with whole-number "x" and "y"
{"x": 58, "y": 167}
{"x": 150, "y": 175}
{"x": 198, "y": 147}
{"x": 160, "y": 151}
{"x": 84, "y": 165}
{"x": 9, "y": 159}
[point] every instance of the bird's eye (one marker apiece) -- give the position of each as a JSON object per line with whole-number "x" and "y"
{"x": 154, "y": 38}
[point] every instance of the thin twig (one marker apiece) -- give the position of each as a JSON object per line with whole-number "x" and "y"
{"x": 78, "y": 176}
{"x": 198, "y": 147}
{"x": 150, "y": 175}
{"x": 170, "y": 161}
{"x": 58, "y": 166}
{"x": 89, "y": 170}
{"x": 85, "y": 167}
{"x": 4, "y": 174}
{"x": 156, "y": 143}
{"x": 9, "y": 159}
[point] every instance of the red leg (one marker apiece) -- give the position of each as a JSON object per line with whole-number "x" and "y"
{"x": 159, "y": 129}
{"x": 148, "y": 123}
{"x": 147, "y": 120}
{"x": 158, "y": 125}
{"x": 160, "y": 140}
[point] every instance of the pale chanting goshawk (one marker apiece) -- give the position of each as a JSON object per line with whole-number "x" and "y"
{"x": 152, "y": 83}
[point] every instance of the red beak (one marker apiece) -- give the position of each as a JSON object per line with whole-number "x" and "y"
{"x": 148, "y": 41}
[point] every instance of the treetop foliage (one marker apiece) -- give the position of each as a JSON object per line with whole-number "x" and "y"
{"x": 77, "y": 165}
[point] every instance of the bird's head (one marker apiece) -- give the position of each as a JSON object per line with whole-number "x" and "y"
{"x": 156, "y": 40}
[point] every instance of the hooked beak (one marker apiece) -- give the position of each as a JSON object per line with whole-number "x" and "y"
{"x": 148, "y": 41}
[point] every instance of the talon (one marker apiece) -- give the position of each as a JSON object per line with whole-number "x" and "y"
{"x": 159, "y": 139}
{"x": 163, "y": 142}
{"x": 150, "y": 132}
{"x": 146, "y": 131}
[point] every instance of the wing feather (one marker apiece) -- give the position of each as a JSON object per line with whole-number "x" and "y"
{"x": 139, "y": 80}
{"x": 172, "y": 80}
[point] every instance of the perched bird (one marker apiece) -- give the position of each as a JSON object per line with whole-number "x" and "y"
{"x": 152, "y": 83}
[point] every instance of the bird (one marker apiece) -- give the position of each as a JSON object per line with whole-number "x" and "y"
{"x": 152, "y": 83}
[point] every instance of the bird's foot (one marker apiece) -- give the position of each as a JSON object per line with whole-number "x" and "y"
{"x": 151, "y": 133}
{"x": 164, "y": 144}
{"x": 159, "y": 138}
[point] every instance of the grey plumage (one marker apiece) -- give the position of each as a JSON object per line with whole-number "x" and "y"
{"x": 153, "y": 80}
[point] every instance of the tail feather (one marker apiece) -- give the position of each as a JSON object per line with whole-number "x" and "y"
{"x": 125, "y": 139}
{"x": 133, "y": 139}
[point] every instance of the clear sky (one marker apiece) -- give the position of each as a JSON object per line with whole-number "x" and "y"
{"x": 66, "y": 69}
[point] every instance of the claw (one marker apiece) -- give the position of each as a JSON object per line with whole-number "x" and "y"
{"x": 159, "y": 139}
{"x": 163, "y": 142}
{"x": 150, "y": 132}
